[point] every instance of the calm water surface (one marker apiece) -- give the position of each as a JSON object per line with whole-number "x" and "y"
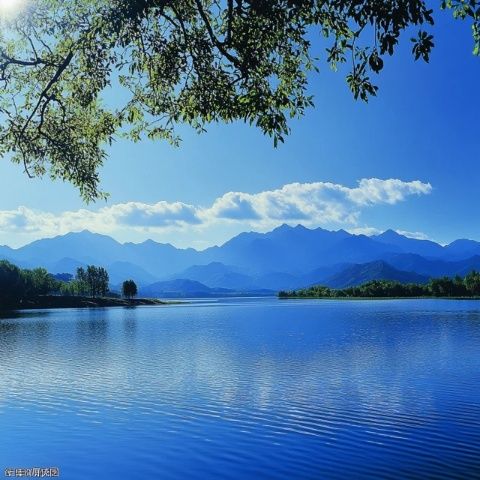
{"x": 244, "y": 389}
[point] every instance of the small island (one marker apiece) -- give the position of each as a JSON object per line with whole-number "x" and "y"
{"x": 444, "y": 287}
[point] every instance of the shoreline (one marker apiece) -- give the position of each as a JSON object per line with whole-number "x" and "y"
{"x": 53, "y": 301}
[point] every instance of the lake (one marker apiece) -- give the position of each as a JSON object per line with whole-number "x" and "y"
{"x": 244, "y": 389}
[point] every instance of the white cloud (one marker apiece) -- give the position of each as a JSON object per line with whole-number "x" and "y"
{"x": 415, "y": 235}
{"x": 313, "y": 204}
{"x": 369, "y": 231}
{"x": 158, "y": 215}
{"x": 373, "y": 190}
{"x": 233, "y": 206}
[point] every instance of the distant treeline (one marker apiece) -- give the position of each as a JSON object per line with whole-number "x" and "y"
{"x": 17, "y": 284}
{"x": 468, "y": 286}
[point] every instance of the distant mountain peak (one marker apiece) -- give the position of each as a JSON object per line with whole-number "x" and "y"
{"x": 463, "y": 241}
{"x": 282, "y": 227}
{"x": 85, "y": 234}
{"x": 285, "y": 227}
{"x": 376, "y": 270}
{"x": 390, "y": 234}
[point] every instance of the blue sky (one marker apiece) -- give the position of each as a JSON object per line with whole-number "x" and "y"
{"x": 423, "y": 127}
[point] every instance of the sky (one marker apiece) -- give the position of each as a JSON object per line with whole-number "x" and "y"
{"x": 408, "y": 160}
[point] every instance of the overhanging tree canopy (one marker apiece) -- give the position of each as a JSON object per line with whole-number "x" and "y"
{"x": 180, "y": 61}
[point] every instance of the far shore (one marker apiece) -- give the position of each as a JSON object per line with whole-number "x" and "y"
{"x": 299, "y": 297}
{"x": 57, "y": 301}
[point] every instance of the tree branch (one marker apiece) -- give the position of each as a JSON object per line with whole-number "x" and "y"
{"x": 214, "y": 39}
{"x": 43, "y": 95}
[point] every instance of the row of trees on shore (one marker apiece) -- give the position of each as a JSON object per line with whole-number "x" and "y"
{"x": 468, "y": 286}
{"x": 17, "y": 283}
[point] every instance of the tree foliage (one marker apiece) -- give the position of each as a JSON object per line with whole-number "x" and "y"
{"x": 92, "y": 281}
{"x": 17, "y": 284}
{"x": 129, "y": 289}
{"x": 12, "y": 284}
{"x": 181, "y": 61}
{"x": 38, "y": 282}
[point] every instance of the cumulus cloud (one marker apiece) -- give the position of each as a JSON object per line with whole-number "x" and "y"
{"x": 13, "y": 219}
{"x": 161, "y": 214}
{"x": 319, "y": 202}
{"x": 313, "y": 204}
{"x": 373, "y": 190}
{"x": 233, "y": 206}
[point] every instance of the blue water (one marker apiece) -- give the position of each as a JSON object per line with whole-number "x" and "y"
{"x": 244, "y": 389}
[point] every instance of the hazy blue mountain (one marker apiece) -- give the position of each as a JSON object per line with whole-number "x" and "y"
{"x": 295, "y": 250}
{"x": 319, "y": 275}
{"x": 285, "y": 258}
{"x": 433, "y": 267}
{"x": 356, "y": 249}
{"x": 6, "y": 252}
{"x": 279, "y": 281}
{"x": 426, "y": 248}
{"x": 159, "y": 259}
{"x": 178, "y": 287}
{"x": 462, "y": 249}
{"x": 120, "y": 271}
{"x": 216, "y": 274}
{"x": 416, "y": 263}
{"x": 84, "y": 247}
{"x": 67, "y": 252}
{"x": 463, "y": 267}
{"x": 378, "y": 270}
{"x": 182, "y": 288}
{"x": 65, "y": 265}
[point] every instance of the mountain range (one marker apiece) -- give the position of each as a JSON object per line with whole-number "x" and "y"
{"x": 257, "y": 263}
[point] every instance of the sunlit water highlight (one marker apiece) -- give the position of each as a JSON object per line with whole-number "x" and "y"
{"x": 245, "y": 389}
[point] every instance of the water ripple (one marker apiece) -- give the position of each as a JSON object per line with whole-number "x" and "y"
{"x": 256, "y": 389}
